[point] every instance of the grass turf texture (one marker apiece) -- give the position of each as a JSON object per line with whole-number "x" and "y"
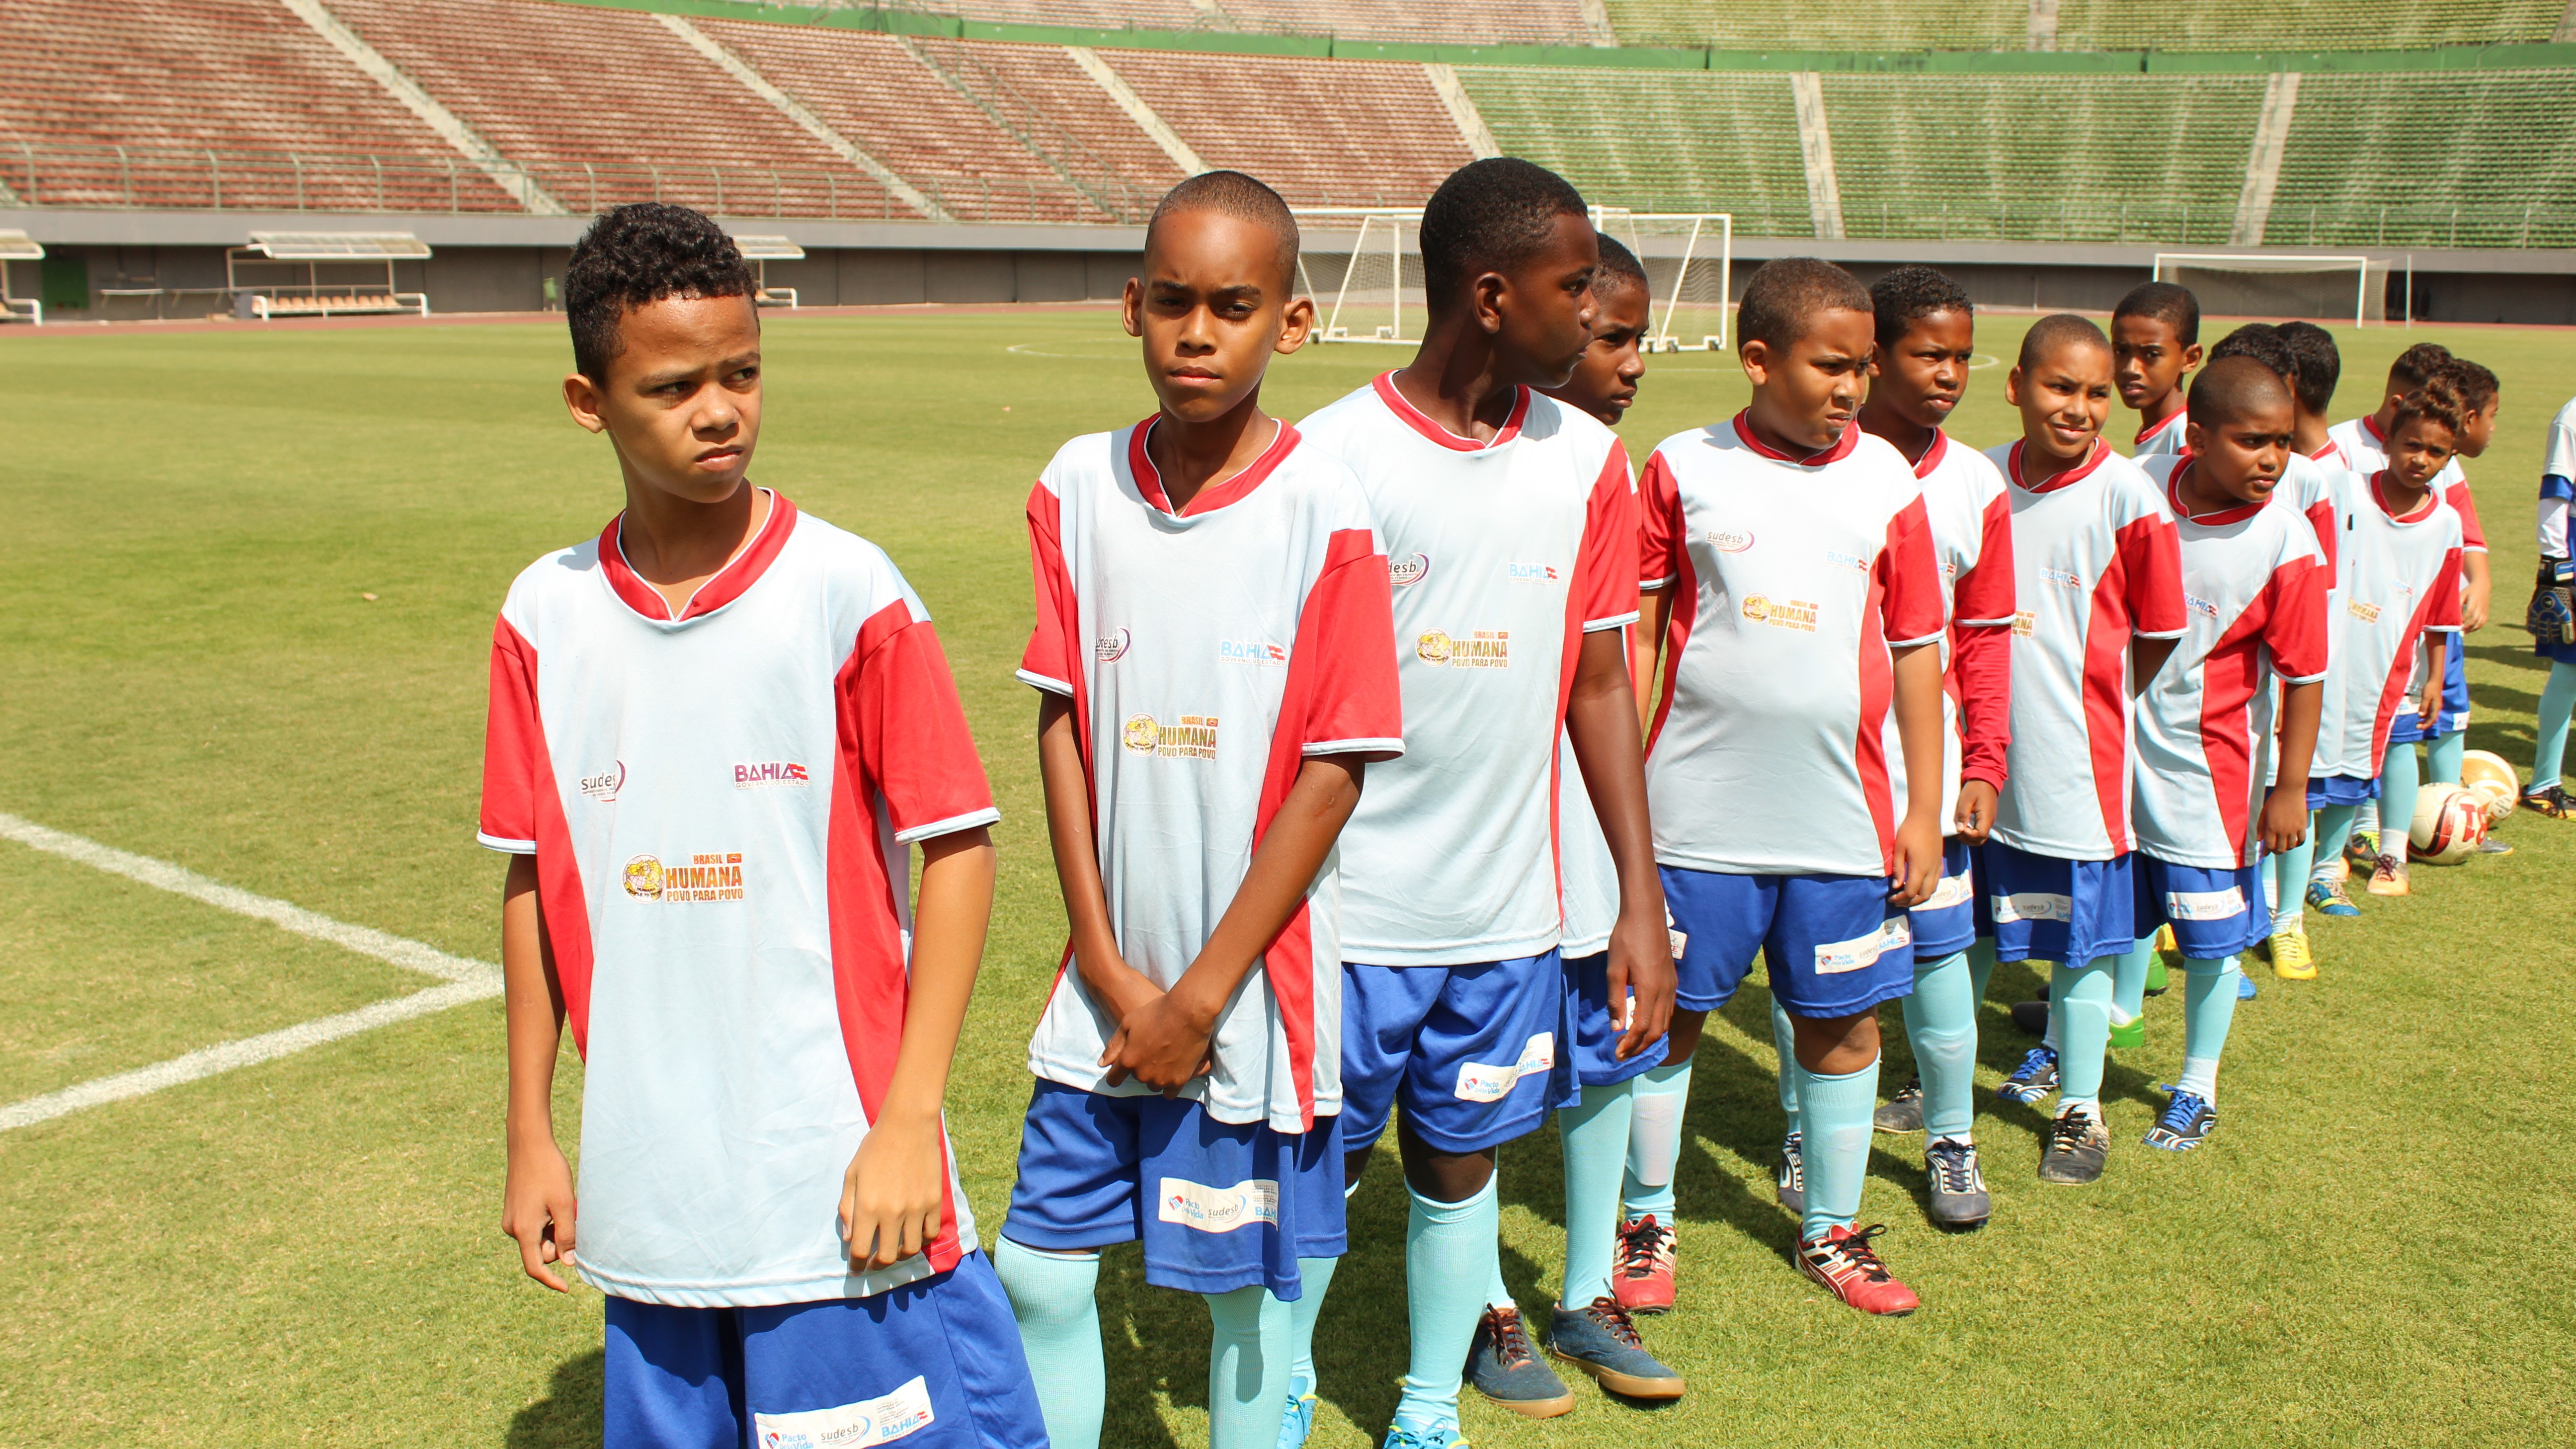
{"x": 308, "y": 1251}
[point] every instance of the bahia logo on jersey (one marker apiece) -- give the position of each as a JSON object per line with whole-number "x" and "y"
{"x": 1251, "y": 651}
{"x": 2200, "y": 606}
{"x": 1730, "y": 540}
{"x": 1530, "y": 573}
{"x": 2063, "y": 578}
{"x": 1484, "y": 649}
{"x": 603, "y": 787}
{"x": 1842, "y": 560}
{"x": 1112, "y": 647}
{"x": 1408, "y": 570}
{"x": 770, "y": 772}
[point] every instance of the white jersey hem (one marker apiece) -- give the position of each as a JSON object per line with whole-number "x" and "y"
{"x": 504, "y": 845}
{"x": 1089, "y": 1077}
{"x": 2051, "y": 850}
{"x": 1619, "y": 621}
{"x": 950, "y": 826}
{"x": 1040, "y": 681}
{"x": 1385, "y": 745}
{"x": 1705, "y": 865}
{"x": 803, "y": 1288}
{"x": 1468, "y": 953}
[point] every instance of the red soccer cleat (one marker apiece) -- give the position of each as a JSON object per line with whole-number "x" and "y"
{"x": 1843, "y": 1261}
{"x": 1642, "y": 1279}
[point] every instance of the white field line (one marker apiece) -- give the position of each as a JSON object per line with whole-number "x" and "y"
{"x": 468, "y": 980}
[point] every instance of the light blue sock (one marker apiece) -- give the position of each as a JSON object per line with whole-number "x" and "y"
{"x": 1784, "y": 1040}
{"x": 2397, "y": 788}
{"x": 2289, "y": 875}
{"x": 2557, "y": 702}
{"x": 2365, "y": 818}
{"x": 1247, "y": 1368}
{"x": 1448, "y": 1262}
{"x": 1314, "y": 1275}
{"x": 1052, "y": 1297}
{"x": 1941, "y": 1024}
{"x": 2209, "y": 1004}
{"x": 2442, "y": 757}
{"x": 1595, "y": 1136}
{"x": 2079, "y": 1006}
{"x": 1655, "y": 1140}
{"x": 1498, "y": 1294}
{"x": 2129, "y": 981}
{"x": 1836, "y": 1111}
{"x": 2326, "y": 842}
{"x": 1981, "y": 969}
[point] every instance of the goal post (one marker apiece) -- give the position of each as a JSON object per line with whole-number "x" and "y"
{"x": 2261, "y": 284}
{"x": 1689, "y": 257}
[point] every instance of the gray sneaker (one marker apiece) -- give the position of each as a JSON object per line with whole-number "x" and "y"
{"x": 1903, "y": 1113}
{"x": 2077, "y": 1145}
{"x": 1959, "y": 1198}
{"x": 1506, "y": 1369}
{"x": 1793, "y": 1176}
{"x": 1600, "y": 1340}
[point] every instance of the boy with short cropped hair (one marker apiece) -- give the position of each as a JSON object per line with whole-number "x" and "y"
{"x": 2100, "y": 587}
{"x": 716, "y": 732}
{"x": 1510, "y": 528}
{"x": 1925, "y": 328}
{"x": 1215, "y": 661}
{"x": 1795, "y": 598}
{"x": 2255, "y": 584}
{"x": 2155, "y": 343}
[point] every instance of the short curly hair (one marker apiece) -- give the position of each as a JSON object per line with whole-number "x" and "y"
{"x": 2437, "y": 401}
{"x": 1490, "y": 216}
{"x": 2168, "y": 302}
{"x": 1619, "y": 268}
{"x": 2320, "y": 365}
{"x": 2477, "y": 385}
{"x": 1908, "y": 294}
{"x": 2262, "y": 342}
{"x": 1788, "y": 294}
{"x": 638, "y": 254}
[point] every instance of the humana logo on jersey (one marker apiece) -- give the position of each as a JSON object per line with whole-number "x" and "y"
{"x": 1251, "y": 651}
{"x": 1484, "y": 649}
{"x": 1787, "y": 614}
{"x": 768, "y": 772}
{"x": 710, "y": 875}
{"x": 1194, "y": 738}
{"x": 2366, "y": 613}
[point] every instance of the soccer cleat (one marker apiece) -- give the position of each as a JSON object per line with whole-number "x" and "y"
{"x": 2328, "y": 898}
{"x": 2489, "y": 845}
{"x": 2362, "y": 850}
{"x": 1418, "y": 1436}
{"x": 2185, "y": 1123}
{"x": 1793, "y": 1175}
{"x": 1298, "y": 1425}
{"x": 1959, "y": 1197}
{"x": 2030, "y": 1017}
{"x": 1506, "y": 1369}
{"x": 1848, "y": 1267}
{"x": 1600, "y": 1340}
{"x": 2168, "y": 960}
{"x": 2550, "y": 800}
{"x": 2035, "y": 1078}
{"x": 1903, "y": 1112}
{"x": 2291, "y": 958}
{"x": 2078, "y": 1144}
{"x": 2388, "y": 877}
{"x": 2244, "y": 987}
{"x": 2129, "y": 1035}
{"x": 1642, "y": 1277}
{"x": 2159, "y": 976}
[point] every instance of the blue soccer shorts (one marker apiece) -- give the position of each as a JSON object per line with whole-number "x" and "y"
{"x": 2041, "y": 908}
{"x": 935, "y": 1363}
{"x": 2449, "y": 717}
{"x": 1472, "y": 1053}
{"x": 1596, "y": 1033}
{"x": 1219, "y": 1206}
{"x": 2330, "y": 790}
{"x": 1836, "y": 945}
{"x": 1946, "y": 924}
{"x": 2214, "y": 913}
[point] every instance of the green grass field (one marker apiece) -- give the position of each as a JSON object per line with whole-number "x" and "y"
{"x": 308, "y": 1251}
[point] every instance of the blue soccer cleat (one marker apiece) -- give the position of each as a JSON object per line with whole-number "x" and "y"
{"x": 2035, "y": 1078}
{"x": 2328, "y": 898}
{"x": 1602, "y": 1340}
{"x": 1505, "y": 1368}
{"x": 2244, "y": 987}
{"x": 2186, "y": 1122}
{"x": 1790, "y": 1183}
{"x": 1418, "y": 1436}
{"x": 1298, "y": 1425}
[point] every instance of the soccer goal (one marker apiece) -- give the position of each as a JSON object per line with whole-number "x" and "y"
{"x": 2231, "y": 284}
{"x": 1689, "y": 258}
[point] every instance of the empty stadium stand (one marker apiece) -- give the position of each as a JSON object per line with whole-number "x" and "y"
{"x": 1677, "y": 140}
{"x": 1848, "y": 25}
{"x": 1063, "y": 112}
{"x": 1358, "y": 133}
{"x": 2472, "y": 159}
{"x": 1890, "y": 25}
{"x": 1527, "y": 22}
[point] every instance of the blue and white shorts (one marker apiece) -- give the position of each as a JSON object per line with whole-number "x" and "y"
{"x": 2452, "y": 716}
{"x": 1473, "y": 1053}
{"x": 1219, "y": 1206}
{"x": 936, "y": 1363}
{"x": 1946, "y": 924}
{"x": 2040, "y": 908}
{"x": 2214, "y": 913}
{"x": 2325, "y": 791}
{"x": 1836, "y": 944}
{"x": 1596, "y": 1034}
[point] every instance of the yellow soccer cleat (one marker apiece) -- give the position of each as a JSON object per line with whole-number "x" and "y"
{"x": 2291, "y": 958}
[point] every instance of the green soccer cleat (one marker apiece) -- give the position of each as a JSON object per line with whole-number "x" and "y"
{"x": 2131, "y": 1035}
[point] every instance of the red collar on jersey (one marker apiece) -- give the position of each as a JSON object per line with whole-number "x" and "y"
{"x": 2379, "y": 495}
{"x": 1932, "y": 455}
{"x": 1149, "y": 479}
{"x": 2176, "y": 421}
{"x": 2237, "y": 513}
{"x": 2370, "y": 425}
{"x": 723, "y": 587}
{"x": 1415, "y": 419}
{"x": 2076, "y": 474}
{"x": 1841, "y": 449}
{"x": 2331, "y": 447}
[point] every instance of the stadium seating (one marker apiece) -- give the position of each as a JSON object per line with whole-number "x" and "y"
{"x": 2474, "y": 158}
{"x": 1360, "y": 133}
{"x": 1882, "y": 25}
{"x": 1529, "y": 22}
{"x": 1675, "y": 141}
{"x": 1065, "y": 113}
{"x": 1848, "y": 25}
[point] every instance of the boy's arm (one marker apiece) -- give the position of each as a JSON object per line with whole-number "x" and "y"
{"x": 1654, "y": 615}
{"x": 1917, "y": 669}
{"x": 2146, "y": 656}
{"x": 1117, "y": 987}
{"x": 537, "y": 1205}
{"x": 2285, "y": 809}
{"x": 1164, "y": 1042}
{"x": 893, "y": 1193}
{"x": 1600, "y": 722}
{"x": 2476, "y": 599}
{"x": 2436, "y": 660}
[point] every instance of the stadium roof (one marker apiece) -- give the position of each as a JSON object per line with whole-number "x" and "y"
{"x": 768, "y": 249}
{"x": 337, "y": 246}
{"x": 17, "y": 246}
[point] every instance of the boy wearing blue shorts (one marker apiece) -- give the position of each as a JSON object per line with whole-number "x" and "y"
{"x": 1510, "y": 534}
{"x": 1797, "y": 599}
{"x": 1215, "y": 667}
{"x": 716, "y": 732}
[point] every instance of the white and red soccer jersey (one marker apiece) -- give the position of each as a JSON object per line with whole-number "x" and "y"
{"x": 1790, "y": 580}
{"x": 2254, "y": 584}
{"x": 2307, "y": 488}
{"x": 720, "y": 805}
{"x": 1503, "y": 553}
{"x": 1208, "y": 655}
{"x": 2399, "y": 577}
{"x": 2094, "y": 566}
{"x": 1590, "y": 876}
{"x": 2162, "y": 438}
{"x": 1971, "y": 519}
{"x": 2557, "y": 484}
{"x": 2361, "y": 443}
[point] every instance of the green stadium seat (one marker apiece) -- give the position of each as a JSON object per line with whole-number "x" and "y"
{"x": 1657, "y": 140}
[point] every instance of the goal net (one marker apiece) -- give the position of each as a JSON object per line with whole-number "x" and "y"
{"x": 2321, "y": 288}
{"x": 1689, "y": 258}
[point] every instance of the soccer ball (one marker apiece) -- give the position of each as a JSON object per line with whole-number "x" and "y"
{"x": 2450, "y": 820}
{"x": 2486, "y": 772}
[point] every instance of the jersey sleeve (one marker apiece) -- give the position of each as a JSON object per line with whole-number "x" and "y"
{"x": 1662, "y": 537}
{"x": 2151, "y": 551}
{"x": 1347, "y": 629}
{"x": 2558, "y": 454}
{"x": 2444, "y": 617}
{"x": 514, "y": 746}
{"x": 1048, "y": 662}
{"x": 1909, "y": 575}
{"x": 1605, "y": 570}
{"x": 2473, "y": 537}
{"x": 2295, "y": 624}
{"x": 1985, "y": 592}
{"x": 899, "y": 707}
{"x": 1981, "y": 681}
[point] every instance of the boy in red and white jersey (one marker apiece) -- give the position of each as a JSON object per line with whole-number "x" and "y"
{"x": 2255, "y": 585}
{"x": 716, "y": 731}
{"x": 1798, "y": 598}
{"x": 2100, "y": 591}
{"x": 1509, "y": 527}
{"x": 1215, "y": 662}
{"x": 1926, "y": 332}
{"x": 2155, "y": 343}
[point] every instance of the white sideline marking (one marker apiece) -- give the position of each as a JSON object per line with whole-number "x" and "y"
{"x": 468, "y": 980}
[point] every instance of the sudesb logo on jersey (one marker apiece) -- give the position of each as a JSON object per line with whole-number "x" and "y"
{"x": 603, "y": 787}
{"x": 1111, "y": 647}
{"x": 1409, "y": 569}
{"x": 1730, "y": 540}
